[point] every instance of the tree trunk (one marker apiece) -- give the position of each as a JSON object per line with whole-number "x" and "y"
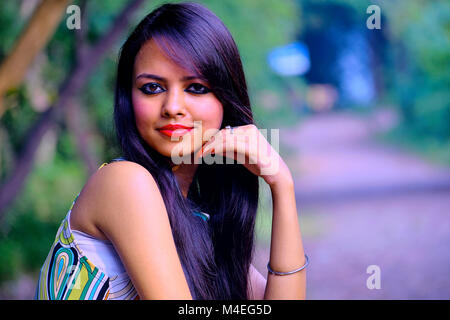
{"x": 40, "y": 28}
{"x": 73, "y": 83}
{"x": 78, "y": 124}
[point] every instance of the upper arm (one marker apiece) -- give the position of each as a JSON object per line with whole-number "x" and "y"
{"x": 257, "y": 284}
{"x": 134, "y": 218}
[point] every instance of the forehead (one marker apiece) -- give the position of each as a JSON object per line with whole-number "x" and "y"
{"x": 151, "y": 58}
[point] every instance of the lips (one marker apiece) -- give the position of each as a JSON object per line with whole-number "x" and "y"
{"x": 174, "y": 130}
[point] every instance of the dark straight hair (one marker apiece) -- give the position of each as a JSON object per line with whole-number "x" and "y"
{"x": 215, "y": 255}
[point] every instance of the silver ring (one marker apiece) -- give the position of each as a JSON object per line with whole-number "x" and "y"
{"x": 231, "y": 128}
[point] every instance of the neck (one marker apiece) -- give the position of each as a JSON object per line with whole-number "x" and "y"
{"x": 184, "y": 173}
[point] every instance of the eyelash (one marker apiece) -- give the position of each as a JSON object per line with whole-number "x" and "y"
{"x": 144, "y": 88}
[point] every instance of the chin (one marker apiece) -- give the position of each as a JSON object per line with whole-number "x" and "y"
{"x": 172, "y": 151}
{"x": 167, "y": 149}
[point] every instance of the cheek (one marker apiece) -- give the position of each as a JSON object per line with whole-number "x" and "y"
{"x": 211, "y": 114}
{"x": 142, "y": 111}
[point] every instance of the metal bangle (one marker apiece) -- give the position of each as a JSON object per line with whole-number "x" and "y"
{"x": 290, "y": 272}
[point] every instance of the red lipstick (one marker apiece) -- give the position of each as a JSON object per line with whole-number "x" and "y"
{"x": 174, "y": 130}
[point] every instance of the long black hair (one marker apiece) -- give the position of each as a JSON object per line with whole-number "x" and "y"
{"x": 215, "y": 255}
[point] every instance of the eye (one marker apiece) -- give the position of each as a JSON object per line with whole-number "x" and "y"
{"x": 151, "y": 88}
{"x": 198, "y": 88}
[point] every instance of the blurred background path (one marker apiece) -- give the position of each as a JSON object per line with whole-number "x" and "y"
{"x": 362, "y": 203}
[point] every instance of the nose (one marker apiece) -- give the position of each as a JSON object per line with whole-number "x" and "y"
{"x": 174, "y": 104}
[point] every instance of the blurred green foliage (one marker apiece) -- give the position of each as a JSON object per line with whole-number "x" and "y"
{"x": 412, "y": 59}
{"x": 29, "y": 229}
{"x": 420, "y": 32}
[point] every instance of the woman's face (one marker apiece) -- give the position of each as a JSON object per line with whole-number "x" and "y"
{"x": 163, "y": 93}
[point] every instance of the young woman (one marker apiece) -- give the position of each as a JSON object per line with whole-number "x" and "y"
{"x": 150, "y": 226}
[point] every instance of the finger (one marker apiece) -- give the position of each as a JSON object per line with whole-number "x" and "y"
{"x": 251, "y": 149}
{"x": 238, "y": 150}
{"x": 224, "y": 140}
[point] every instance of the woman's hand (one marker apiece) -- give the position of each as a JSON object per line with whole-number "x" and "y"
{"x": 250, "y": 148}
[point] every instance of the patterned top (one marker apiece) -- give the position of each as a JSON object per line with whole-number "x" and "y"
{"x": 67, "y": 274}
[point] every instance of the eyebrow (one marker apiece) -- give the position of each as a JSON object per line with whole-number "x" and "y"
{"x": 156, "y": 77}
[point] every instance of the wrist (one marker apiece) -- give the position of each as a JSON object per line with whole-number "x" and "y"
{"x": 282, "y": 178}
{"x": 280, "y": 181}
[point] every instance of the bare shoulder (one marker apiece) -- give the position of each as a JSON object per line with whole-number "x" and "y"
{"x": 121, "y": 173}
{"x": 114, "y": 186}
{"x": 128, "y": 209}
{"x": 120, "y": 187}
{"x": 132, "y": 214}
